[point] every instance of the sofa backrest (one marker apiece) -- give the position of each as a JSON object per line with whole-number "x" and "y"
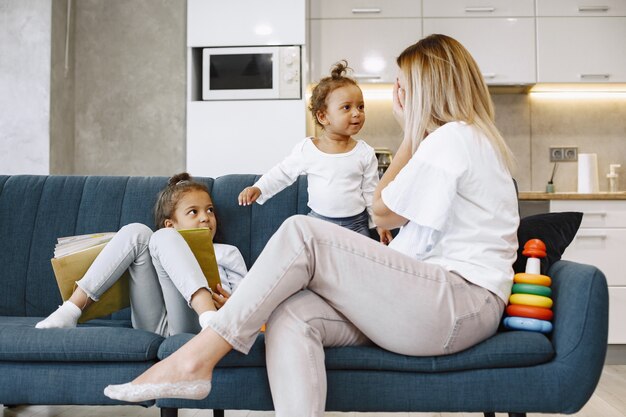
{"x": 36, "y": 210}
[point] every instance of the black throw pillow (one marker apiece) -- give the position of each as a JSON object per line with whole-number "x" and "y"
{"x": 556, "y": 230}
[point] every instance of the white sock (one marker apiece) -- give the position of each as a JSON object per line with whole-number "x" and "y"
{"x": 64, "y": 317}
{"x": 205, "y": 317}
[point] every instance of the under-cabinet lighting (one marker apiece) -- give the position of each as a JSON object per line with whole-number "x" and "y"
{"x": 579, "y": 91}
{"x": 578, "y": 95}
{"x": 377, "y": 92}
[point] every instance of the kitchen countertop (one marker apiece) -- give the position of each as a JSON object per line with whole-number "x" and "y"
{"x": 538, "y": 195}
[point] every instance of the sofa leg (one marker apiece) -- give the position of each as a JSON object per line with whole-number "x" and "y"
{"x": 169, "y": 412}
{"x": 517, "y": 414}
{"x": 490, "y": 414}
{"x": 218, "y": 413}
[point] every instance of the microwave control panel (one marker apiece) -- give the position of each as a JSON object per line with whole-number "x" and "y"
{"x": 290, "y": 83}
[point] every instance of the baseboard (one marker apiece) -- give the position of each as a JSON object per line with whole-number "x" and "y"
{"x": 616, "y": 355}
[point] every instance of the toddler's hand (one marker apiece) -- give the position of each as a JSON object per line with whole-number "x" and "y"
{"x": 385, "y": 235}
{"x": 220, "y": 299}
{"x": 249, "y": 195}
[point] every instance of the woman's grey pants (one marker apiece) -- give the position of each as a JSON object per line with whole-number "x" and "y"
{"x": 316, "y": 284}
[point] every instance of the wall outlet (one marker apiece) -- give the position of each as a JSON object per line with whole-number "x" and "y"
{"x": 563, "y": 153}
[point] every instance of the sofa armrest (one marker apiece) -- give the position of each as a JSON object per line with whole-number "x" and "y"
{"x": 580, "y": 332}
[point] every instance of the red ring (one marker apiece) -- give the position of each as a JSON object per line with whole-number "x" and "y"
{"x": 532, "y": 312}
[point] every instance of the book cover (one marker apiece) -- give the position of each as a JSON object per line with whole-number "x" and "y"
{"x": 72, "y": 266}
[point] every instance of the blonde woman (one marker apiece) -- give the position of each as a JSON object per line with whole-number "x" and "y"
{"x": 447, "y": 274}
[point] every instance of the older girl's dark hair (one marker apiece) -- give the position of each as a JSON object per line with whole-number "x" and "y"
{"x": 169, "y": 197}
{"x": 338, "y": 78}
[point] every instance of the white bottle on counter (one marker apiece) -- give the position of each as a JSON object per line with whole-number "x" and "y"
{"x": 613, "y": 178}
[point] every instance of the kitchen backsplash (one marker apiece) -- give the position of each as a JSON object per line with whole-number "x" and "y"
{"x": 531, "y": 123}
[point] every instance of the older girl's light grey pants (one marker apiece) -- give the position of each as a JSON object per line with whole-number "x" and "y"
{"x": 316, "y": 284}
{"x": 164, "y": 274}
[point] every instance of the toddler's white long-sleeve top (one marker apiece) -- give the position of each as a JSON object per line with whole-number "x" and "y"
{"x": 339, "y": 185}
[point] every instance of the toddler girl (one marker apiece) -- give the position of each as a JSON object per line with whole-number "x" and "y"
{"x": 342, "y": 172}
{"x": 165, "y": 278}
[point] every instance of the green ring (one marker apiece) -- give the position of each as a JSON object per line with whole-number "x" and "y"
{"x": 532, "y": 289}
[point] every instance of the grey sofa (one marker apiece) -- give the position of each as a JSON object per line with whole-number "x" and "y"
{"x": 514, "y": 371}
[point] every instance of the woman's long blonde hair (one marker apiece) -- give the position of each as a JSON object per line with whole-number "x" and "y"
{"x": 445, "y": 85}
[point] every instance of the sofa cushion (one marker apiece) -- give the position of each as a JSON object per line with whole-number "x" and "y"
{"x": 555, "y": 230}
{"x": 20, "y": 341}
{"x": 504, "y": 350}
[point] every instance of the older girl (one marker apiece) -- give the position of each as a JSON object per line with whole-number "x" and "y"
{"x": 168, "y": 291}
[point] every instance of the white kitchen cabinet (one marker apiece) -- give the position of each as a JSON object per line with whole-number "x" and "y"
{"x": 617, "y": 312}
{"x": 504, "y": 48}
{"x": 369, "y": 45}
{"x": 271, "y": 22}
{"x": 581, "y": 49}
{"x": 601, "y": 241}
{"x": 483, "y": 8}
{"x": 355, "y": 9}
{"x": 581, "y": 8}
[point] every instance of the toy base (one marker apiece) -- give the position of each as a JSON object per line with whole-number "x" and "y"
{"x": 523, "y": 323}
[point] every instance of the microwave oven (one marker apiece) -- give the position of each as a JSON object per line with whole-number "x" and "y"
{"x": 251, "y": 73}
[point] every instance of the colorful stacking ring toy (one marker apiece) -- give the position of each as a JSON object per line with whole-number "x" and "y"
{"x": 539, "y": 313}
{"x": 523, "y": 323}
{"x": 531, "y": 289}
{"x": 535, "y": 279}
{"x": 531, "y": 300}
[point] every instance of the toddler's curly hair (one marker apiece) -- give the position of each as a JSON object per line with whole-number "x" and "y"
{"x": 338, "y": 78}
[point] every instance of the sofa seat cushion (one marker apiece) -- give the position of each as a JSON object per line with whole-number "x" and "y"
{"x": 93, "y": 342}
{"x": 504, "y": 350}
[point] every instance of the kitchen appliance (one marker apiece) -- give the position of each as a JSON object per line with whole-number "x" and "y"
{"x": 251, "y": 73}
{"x": 384, "y": 157}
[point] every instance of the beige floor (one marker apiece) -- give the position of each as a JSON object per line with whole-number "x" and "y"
{"x": 609, "y": 400}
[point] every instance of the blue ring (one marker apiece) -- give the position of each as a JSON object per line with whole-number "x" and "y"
{"x": 525, "y": 323}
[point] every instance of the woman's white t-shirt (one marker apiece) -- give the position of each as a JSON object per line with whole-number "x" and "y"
{"x": 456, "y": 185}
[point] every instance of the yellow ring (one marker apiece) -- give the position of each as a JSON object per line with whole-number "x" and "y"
{"x": 531, "y": 300}
{"x": 536, "y": 279}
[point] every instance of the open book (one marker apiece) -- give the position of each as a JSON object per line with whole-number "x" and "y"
{"x": 74, "y": 255}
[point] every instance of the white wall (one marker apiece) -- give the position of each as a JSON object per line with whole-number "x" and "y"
{"x": 24, "y": 86}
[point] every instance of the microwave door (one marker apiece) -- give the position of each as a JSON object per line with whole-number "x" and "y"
{"x": 240, "y": 73}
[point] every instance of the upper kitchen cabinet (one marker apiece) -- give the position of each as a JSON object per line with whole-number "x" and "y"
{"x": 368, "y": 34}
{"x": 271, "y": 22}
{"x": 354, "y": 9}
{"x": 581, "y": 8}
{"x": 581, "y": 41}
{"x": 474, "y": 8}
{"x": 500, "y": 35}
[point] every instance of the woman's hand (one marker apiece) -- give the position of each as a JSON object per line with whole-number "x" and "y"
{"x": 220, "y": 299}
{"x": 385, "y": 235}
{"x": 398, "y": 103}
{"x": 249, "y": 195}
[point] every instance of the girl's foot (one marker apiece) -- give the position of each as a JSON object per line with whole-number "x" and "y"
{"x": 205, "y": 317}
{"x": 191, "y": 390}
{"x": 66, "y": 316}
